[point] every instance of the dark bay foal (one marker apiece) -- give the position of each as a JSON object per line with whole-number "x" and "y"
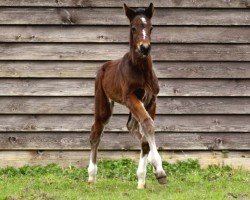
{"x": 130, "y": 81}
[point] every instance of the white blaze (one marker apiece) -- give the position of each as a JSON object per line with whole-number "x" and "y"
{"x": 144, "y": 33}
{"x": 143, "y": 20}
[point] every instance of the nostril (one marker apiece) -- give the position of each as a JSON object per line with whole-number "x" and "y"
{"x": 149, "y": 48}
{"x": 145, "y": 49}
{"x": 142, "y": 48}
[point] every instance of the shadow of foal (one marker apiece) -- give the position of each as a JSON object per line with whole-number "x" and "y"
{"x": 130, "y": 81}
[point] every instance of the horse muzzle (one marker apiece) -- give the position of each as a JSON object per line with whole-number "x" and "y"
{"x": 145, "y": 49}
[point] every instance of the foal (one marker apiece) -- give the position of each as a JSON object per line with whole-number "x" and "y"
{"x": 130, "y": 81}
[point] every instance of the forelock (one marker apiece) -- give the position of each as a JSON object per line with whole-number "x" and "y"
{"x": 140, "y": 11}
{"x": 141, "y": 16}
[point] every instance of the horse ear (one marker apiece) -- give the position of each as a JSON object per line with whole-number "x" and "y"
{"x": 149, "y": 11}
{"x": 130, "y": 13}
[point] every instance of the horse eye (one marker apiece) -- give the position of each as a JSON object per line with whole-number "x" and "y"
{"x": 133, "y": 29}
{"x": 151, "y": 28}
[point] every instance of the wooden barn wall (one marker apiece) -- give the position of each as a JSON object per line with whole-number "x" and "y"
{"x": 49, "y": 53}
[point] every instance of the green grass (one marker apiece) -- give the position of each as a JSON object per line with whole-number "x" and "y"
{"x": 117, "y": 180}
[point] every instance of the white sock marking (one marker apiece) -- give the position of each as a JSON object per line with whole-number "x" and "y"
{"x": 154, "y": 157}
{"x": 142, "y": 171}
{"x": 92, "y": 170}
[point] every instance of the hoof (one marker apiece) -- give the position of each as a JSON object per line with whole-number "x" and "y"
{"x": 91, "y": 180}
{"x": 162, "y": 180}
{"x": 161, "y": 177}
{"x": 141, "y": 186}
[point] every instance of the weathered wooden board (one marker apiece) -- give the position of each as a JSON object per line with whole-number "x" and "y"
{"x": 163, "y": 52}
{"x": 135, "y": 3}
{"x": 163, "y": 123}
{"x": 121, "y": 34}
{"x": 124, "y": 141}
{"x": 198, "y": 108}
{"x": 83, "y": 69}
{"x": 85, "y": 87}
{"x": 116, "y": 16}
{"x": 81, "y": 158}
{"x": 85, "y": 105}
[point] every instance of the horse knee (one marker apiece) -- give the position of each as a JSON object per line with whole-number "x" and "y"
{"x": 148, "y": 126}
{"x": 132, "y": 126}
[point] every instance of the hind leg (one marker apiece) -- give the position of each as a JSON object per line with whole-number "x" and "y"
{"x": 134, "y": 128}
{"x": 95, "y": 137}
{"x": 103, "y": 111}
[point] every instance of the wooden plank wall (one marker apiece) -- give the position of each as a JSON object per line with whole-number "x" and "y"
{"x": 49, "y": 53}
